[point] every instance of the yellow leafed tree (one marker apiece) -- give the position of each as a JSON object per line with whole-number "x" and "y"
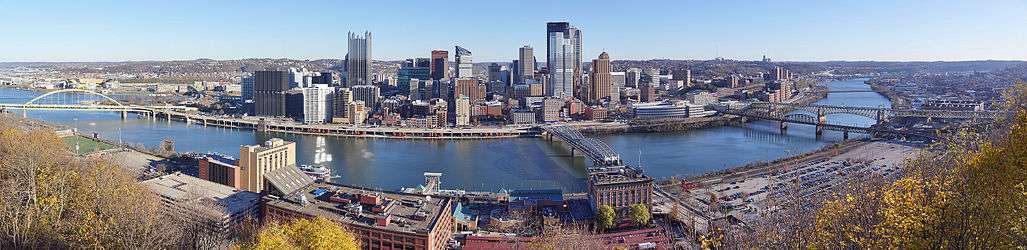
{"x": 318, "y": 233}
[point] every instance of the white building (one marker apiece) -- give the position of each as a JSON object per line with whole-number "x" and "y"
{"x": 463, "y": 111}
{"x": 669, "y": 110}
{"x": 464, "y": 63}
{"x": 317, "y": 104}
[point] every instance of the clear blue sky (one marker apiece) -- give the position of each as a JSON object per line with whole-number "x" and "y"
{"x": 493, "y": 30}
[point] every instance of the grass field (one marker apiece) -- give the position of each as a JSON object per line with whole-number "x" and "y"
{"x": 85, "y": 145}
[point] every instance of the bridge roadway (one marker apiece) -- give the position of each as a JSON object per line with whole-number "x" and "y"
{"x": 176, "y": 113}
{"x": 876, "y": 113}
{"x": 600, "y": 153}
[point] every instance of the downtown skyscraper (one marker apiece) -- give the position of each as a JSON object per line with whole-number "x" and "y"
{"x": 602, "y": 81}
{"x": 464, "y": 63}
{"x": 439, "y": 65}
{"x": 563, "y": 58}
{"x": 358, "y": 60}
{"x": 525, "y": 64}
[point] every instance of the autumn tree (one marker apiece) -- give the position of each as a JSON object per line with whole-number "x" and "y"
{"x": 317, "y": 233}
{"x": 605, "y": 217}
{"x": 639, "y": 214}
{"x": 52, "y": 199}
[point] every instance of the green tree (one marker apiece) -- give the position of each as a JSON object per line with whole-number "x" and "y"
{"x": 605, "y": 217}
{"x": 640, "y": 214}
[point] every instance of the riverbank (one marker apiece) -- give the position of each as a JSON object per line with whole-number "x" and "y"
{"x": 897, "y": 101}
{"x": 660, "y": 126}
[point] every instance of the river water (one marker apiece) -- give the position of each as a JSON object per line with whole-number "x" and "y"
{"x": 487, "y": 165}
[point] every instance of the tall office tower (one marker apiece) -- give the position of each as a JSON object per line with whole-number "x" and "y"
{"x": 370, "y": 94}
{"x": 498, "y": 73}
{"x": 317, "y": 104}
{"x": 464, "y": 63}
{"x": 247, "y": 88}
{"x": 324, "y": 77}
{"x": 439, "y": 64}
{"x": 256, "y": 161}
{"x": 358, "y": 60}
{"x": 563, "y": 58}
{"x": 269, "y": 92}
{"x": 418, "y": 68}
{"x": 650, "y": 77}
{"x": 616, "y": 84}
{"x": 296, "y": 77}
{"x": 342, "y": 98}
{"x": 415, "y": 89}
{"x": 601, "y": 79}
{"x": 525, "y": 64}
{"x": 462, "y": 111}
{"x": 294, "y": 104}
{"x": 469, "y": 88}
{"x": 632, "y": 77}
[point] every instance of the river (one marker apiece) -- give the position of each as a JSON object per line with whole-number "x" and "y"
{"x": 487, "y": 165}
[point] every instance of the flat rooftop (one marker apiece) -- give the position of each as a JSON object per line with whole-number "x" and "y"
{"x": 405, "y": 213}
{"x": 616, "y": 175}
{"x": 182, "y": 187}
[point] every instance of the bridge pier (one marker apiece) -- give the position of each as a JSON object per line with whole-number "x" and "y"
{"x": 784, "y": 127}
{"x": 845, "y": 135}
{"x": 124, "y": 115}
{"x": 820, "y": 131}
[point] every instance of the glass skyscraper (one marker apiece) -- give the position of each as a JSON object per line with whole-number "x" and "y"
{"x": 358, "y": 60}
{"x": 563, "y": 58}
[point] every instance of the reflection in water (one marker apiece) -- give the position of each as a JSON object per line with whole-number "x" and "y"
{"x": 485, "y": 164}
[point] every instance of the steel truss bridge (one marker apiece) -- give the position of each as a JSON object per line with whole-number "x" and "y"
{"x": 600, "y": 153}
{"x": 817, "y": 115}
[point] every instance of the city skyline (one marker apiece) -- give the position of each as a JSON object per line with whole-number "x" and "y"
{"x": 784, "y": 31}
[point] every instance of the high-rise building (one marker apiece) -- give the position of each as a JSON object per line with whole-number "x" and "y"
{"x": 418, "y": 68}
{"x": 563, "y": 58}
{"x": 370, "y": 94}
{"x": 247, "y": 88}
{"x": 341, "y": 99}
{"x": 294, "y": 104}
{"x": 525, "y": 64}
{"x": 269, "y": 92}
{"x": 631, "y": 77}
{"x": 297, "y": 76}
{"x": 462, "y": 111}
{"x": 498, "y": 73}
{"x": 256, "y": 161}
{"x": 602, "y": 81}
{"x": 357, "y": 112}
{"x": 685, "y": 75}
{"x": 616, "y": 84}
{"x": 464, "y": 63}
{"x": 324, "y": 78}
{"x": 317, "y": 104}
{"x": 358, "y": 60}
{"x": 469, "y": 88}
{"x": 439, "y": 64}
